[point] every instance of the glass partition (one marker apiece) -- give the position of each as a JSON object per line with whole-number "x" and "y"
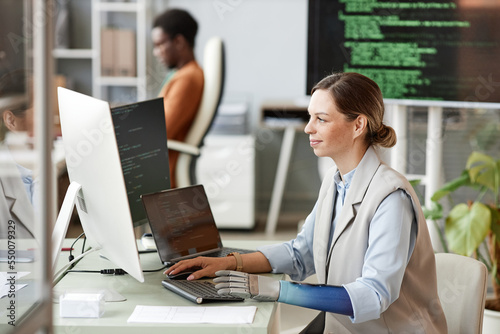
{"x": 26, "y": 169}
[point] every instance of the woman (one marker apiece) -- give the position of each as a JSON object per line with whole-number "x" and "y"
{"x": 366, "y": 238}
{"x": 17, "y": 184}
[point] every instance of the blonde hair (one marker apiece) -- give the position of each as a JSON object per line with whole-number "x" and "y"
{"x": 355, "y": 94}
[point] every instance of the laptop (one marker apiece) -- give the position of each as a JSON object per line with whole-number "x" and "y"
{"x": 183, "y": 226}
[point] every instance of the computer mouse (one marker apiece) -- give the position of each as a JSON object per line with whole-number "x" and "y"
{"x": 180, "y": 276}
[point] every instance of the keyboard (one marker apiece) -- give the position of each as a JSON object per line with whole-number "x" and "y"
{"x": 197, "y": 291}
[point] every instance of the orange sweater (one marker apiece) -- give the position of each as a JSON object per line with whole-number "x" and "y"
{"x": 181, "y": 97}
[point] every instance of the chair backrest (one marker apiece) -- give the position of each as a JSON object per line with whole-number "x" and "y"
{"x": 214, "y": 74}
{"x": 462, "y": 284}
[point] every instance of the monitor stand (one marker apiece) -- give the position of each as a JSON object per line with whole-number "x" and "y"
{"x": 59, "y": 233}
{"x": 62, "y": 222}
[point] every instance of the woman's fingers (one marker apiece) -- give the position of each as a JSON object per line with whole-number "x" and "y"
{"x": 201, "y": 266}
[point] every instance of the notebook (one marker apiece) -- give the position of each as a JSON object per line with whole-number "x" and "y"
{"x": 183, "y": 225}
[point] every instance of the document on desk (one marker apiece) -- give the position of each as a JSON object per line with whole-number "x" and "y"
{"x": 194, "y": 314}
{"x": 8, "y": 289}
{"x": 8, "y": 282}
{"x": 7, "y": 277}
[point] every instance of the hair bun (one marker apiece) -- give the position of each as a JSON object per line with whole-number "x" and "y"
{"x": 384, "y": 136}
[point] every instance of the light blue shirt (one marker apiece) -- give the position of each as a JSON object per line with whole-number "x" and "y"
{"x": 339, "y": 198}
{"x": 392, "y": 236}
{"x": 27, "y": 178}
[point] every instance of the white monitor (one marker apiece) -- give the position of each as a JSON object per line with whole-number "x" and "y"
{"x": 97, "y": 184}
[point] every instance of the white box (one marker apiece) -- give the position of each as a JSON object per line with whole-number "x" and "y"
{"x": 226, "y": 170}
{"x": 124, "y": 53}
{"x": 107, "y": 57}
{"x": 81, "y": 305}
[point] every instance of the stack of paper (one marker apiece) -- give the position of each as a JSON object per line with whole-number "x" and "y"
{"x": 194, "y": 314}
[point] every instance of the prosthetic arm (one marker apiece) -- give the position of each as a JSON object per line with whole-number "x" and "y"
{"x": 329, "y": 298}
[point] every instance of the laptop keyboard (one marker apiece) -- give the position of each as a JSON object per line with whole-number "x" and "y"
{"x": 197, "y": 291}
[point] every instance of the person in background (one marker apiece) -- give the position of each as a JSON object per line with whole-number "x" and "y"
{"x": 173, "y": 36}
{"x": 17, "y": 184}
{"x": 366, "y": 238}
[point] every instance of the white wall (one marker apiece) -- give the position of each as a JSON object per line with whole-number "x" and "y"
{"x": 266, "y": 45}
{"x": 266, "y": 55}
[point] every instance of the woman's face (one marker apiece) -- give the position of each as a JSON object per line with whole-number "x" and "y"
{"x": 330, "y": 134}
{"x": 15, "y": 123}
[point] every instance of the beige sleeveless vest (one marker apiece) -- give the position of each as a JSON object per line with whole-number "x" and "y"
{"x": 418, "y": 309}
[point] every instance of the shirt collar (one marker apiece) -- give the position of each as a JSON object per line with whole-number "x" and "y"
{"x": 347, "y": 179}
{"x": 26, "y": 174}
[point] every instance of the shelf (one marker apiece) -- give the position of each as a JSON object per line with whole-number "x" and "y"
{"x": 118, "y": 81}
{"x": 73, "y": 53}
{"x": 104, "y": 13}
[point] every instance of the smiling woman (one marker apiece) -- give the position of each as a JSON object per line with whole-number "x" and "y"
{"x": 346, "y": 116}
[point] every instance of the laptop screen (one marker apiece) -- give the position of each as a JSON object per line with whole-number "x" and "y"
{"x": 182, "y": 222}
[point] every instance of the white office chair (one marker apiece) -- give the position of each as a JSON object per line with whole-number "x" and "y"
{"x": 189, "y": 150}
{"x": 462, "y": 283}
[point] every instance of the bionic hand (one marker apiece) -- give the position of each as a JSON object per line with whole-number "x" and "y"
{"x": 329, "y": 298}
{"x": 245, "y": 285}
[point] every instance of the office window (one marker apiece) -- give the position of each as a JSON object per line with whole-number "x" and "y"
{"x": 464, "y": 131}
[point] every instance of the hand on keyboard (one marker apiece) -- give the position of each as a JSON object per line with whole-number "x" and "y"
{"x": 201, "y": 266}
{"x": 239, "y": 284}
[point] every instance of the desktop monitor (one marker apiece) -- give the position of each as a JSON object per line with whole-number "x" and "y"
{"x": 141, "y": 136}
{"x": 97, "y": 184}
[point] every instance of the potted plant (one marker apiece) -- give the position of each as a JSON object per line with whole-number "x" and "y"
{"x": 473, "y": 228}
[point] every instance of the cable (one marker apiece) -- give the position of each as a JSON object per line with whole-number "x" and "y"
{"x": 71, "y": 257}
{"x": 75, "y": 260}
{"x": 84, "y": 241}
{"x": 116, "y": 272}
{"x": 154, "y": 270}
{"x": 145, "y": 251}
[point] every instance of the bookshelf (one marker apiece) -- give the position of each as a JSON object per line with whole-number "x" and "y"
{"x": 81, "y": 63}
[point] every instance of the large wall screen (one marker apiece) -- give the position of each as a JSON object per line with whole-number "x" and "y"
{"x": 417, "y": 50}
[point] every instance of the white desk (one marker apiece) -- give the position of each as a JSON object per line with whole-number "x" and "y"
{"x": 20, "y": 303}
{"x": 151, "y": 292}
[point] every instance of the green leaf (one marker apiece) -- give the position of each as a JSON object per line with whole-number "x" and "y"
{"x": 462, "y": 180}
{"x": 479, "y": 158}
{"x": 415, "y": 183}
{"x": 495, "y": 223}
{"x": 434, "y": 212}
{"x": 483, "y": 170}
{"x": 466, "y": 228}
{"x": 493, "y": 271}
